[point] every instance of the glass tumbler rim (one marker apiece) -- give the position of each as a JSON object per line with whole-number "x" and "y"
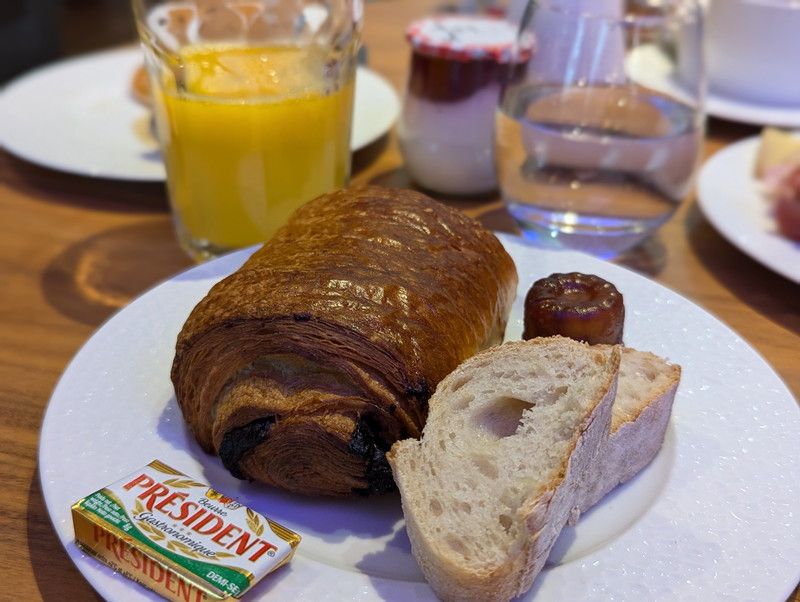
{"x": 689, "y": 10}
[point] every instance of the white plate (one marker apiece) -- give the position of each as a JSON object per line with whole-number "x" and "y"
{"x": 732, "y": 200}
{"x": 648, "y": 66}
{"x": 375, "y": 108}
{"x": 78, "y": 116}
{"x": 712, "y": 517}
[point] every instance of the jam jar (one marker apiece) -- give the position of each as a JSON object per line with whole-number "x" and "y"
{"x": 446, "y": 129}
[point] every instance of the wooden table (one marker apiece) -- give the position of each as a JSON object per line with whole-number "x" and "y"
{"x": 73, "y": 250}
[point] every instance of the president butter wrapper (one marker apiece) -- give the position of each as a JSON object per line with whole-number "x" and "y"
{"x": 178, "y": 537}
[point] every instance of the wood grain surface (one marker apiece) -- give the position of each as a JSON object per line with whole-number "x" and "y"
{"x": 74, "y": 250}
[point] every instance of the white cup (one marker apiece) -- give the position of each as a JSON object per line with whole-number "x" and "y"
{"x": 753, "y": 50}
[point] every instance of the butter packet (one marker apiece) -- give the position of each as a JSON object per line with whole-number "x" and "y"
{"x": 179, "y": 537}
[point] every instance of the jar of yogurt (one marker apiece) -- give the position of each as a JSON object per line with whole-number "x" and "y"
{"x": 458, "y": 65}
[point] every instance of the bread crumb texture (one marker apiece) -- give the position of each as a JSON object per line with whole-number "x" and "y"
{"x": 499, "y": 432}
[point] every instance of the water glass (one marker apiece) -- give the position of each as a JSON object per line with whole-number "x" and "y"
{"x": 253, "y": 104}
{"x": 599, "y": 143}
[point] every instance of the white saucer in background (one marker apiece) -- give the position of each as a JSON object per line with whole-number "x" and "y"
{"x": 649, "y": 67}
{"x": 744, "y": 112}
{"x": 77, "y": 116}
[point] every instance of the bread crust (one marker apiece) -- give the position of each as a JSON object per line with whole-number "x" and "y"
{"x": 543, "y": 515}
{"x": 633, "y": 442}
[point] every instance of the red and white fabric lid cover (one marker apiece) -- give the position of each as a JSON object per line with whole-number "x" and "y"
{"x": 469, "y": 38}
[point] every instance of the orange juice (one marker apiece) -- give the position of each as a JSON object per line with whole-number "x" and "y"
{"x": 248, "y": 135}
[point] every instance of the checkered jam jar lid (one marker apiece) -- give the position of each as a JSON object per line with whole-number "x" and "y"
{"x": 470, "y": 38}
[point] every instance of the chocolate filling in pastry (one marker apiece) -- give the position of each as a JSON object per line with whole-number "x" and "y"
{"x": 238, "y": 441}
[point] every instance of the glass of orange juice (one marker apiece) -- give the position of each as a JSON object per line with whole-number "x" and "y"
{"x": 253, "y": 105}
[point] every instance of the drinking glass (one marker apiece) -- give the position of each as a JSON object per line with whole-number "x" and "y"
{"x": 597, "y": 145}
{"x": 253, "y": 104}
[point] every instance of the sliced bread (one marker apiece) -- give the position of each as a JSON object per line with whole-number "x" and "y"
{"x": 511, "y": 436}
{"x": 639, "y": 419}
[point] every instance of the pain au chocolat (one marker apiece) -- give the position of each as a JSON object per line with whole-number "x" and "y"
{"x": 303, "y": 367}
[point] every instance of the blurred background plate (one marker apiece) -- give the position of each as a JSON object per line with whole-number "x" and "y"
{"x": 78, "y": 116}
{"x": 731, "y": 198}
{"x": 377, "y": 107}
